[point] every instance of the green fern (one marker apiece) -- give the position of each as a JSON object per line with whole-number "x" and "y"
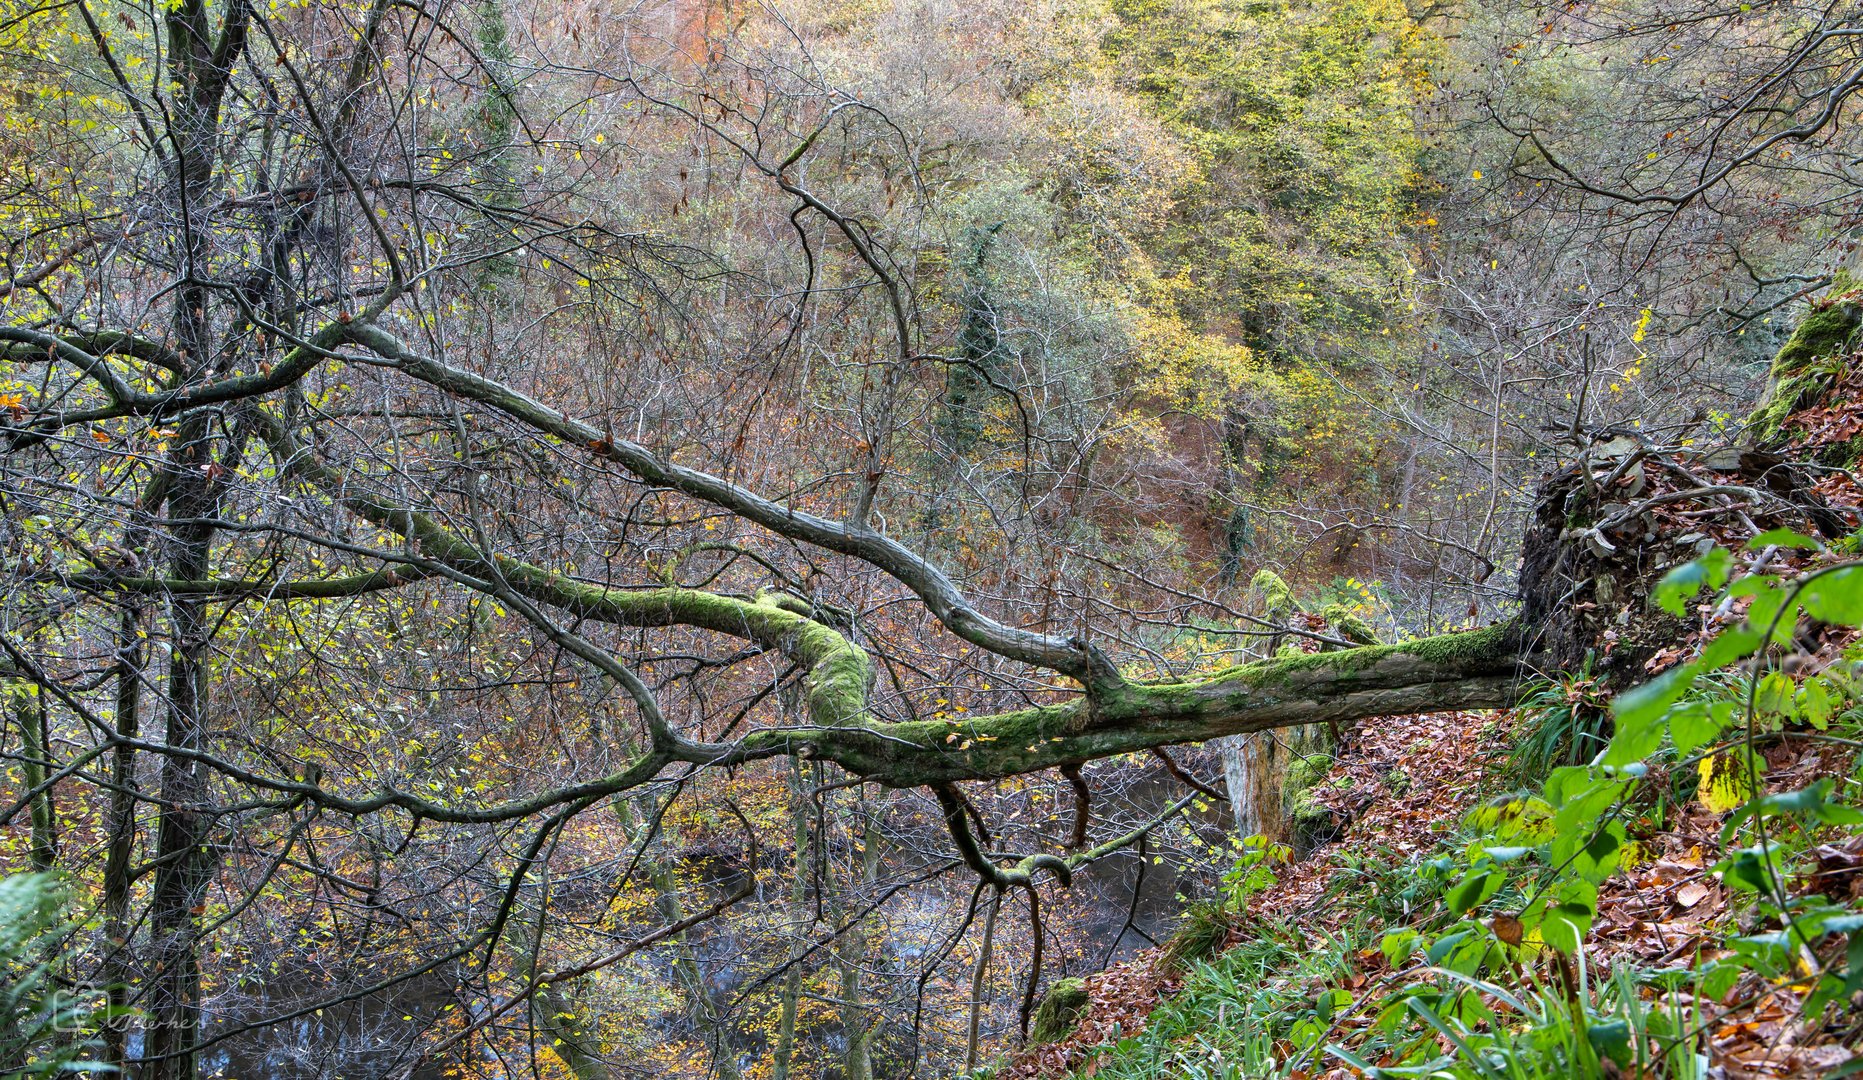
{"x": 45, "y": 1029}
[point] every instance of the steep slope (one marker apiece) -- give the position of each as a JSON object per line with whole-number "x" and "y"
{"x": 1711, "y": 924}
{"x": 1408, "y": 788}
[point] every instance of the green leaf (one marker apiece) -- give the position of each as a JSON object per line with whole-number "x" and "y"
{"x": 1830, "y": 988}
{"x": 1719, "y": 978}
{"x": 1566, "y": 925}
{"x": 1768, "y": 597}
{"x": 1771, "y": 952}
{"x": 1835, "y": 597}
{"x": 1840, "y": 814}
{"x": 1693, "y": 723}
{"x": 1398, "y": 945}
{"x": 1330, "y": 1002}
{"x": 1812, "y": 802}
{"x": 1567, "y": 783}
{"x": 1785, "y": 538}
{"x": 1611, "y": 1038}
{"x": 1599, "y": 859}
{"x": 1635, "y": 740}
{"x": 1683, "y": 583}
{"x": 1523, "y": 818}
{"x": 1843, "y": 924}
{"x": 1746, "y": 869}
{"x": 1814, "y": 703}
{"x": 1644, "y": 705}
{"x": 1805, "y": 800}
{"x": 1474, "y": 890}
{"x": 1577, "y": 821}
{"x": 1774, "y": 695}
{"x": 1732, "y": 644}
{"x": 1445, "y": 945}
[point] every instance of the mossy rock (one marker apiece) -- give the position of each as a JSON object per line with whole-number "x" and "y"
{"x": 1310, "y": 822}
{"x": 1304, "y": 773}
{"x": 1813, "y": 357}
{"x": 1277, "y": 600}
{"x": 1348, "y": 625}
{"x": 1059, "y": 1010}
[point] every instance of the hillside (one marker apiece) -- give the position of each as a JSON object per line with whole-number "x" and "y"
{"x": 1236, "y": 995}
{"x": 1358, "y": 958}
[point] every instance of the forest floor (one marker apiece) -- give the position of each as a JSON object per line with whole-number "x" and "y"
{"x": 1403, "y": 788}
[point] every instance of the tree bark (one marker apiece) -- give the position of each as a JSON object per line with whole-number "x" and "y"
{"x": 977, "y": 975}
{"x": 29, "y": 715}
{"x": 700, "y": 1008}
{"x": 184, "y": 859}
{"x": 121, "y": 828}
{"x": 784, "y": 1050}
{"x": 857, "y": 1022}
{"x": 552, "y": 1012}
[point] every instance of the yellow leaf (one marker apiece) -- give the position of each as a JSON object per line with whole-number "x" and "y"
{"x": 1726, "y": 781}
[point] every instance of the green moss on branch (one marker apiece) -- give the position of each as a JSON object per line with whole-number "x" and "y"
{"x": 1277, "y": 599}
{"x": 1456, "y": 671}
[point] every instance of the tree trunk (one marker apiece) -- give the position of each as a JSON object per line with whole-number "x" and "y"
{"x": 784, "y": 1050}
{"x": 184, "y": 857}
{"x": 977, "y": 976}
{"x": 857, "y": 1023}
{"x": 29, "y": 714}
{"x": 557, "y": 1016}
{"x": 703, "y": 1012}
{"x": 1241, "y": 781}
{"x": 121, "y": 827}
{"x": 200, "y": 62}
{"x": 552, "y": 1012}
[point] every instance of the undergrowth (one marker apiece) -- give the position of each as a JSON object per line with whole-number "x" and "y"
{"x": 1470, "y": 961}
{"x": 45, "y": 1028}
{"x": 1565, "y": 721}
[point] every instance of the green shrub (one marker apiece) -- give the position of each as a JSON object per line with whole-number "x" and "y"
{"x": 45, "y": 1029}
{"x": 1200, "y": 933}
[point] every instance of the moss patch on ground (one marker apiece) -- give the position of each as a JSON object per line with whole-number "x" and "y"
{"x": 1059, "y": 1010}
{"x": 1813, "y": 357}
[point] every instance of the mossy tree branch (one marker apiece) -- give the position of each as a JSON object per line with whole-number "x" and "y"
{"x": 1105, "y": 716}
{"x": 946, "y": 602}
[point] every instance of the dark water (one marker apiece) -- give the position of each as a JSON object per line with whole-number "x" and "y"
{"x": 372, "y": 1037}
{"x": 375, "y": 1036}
